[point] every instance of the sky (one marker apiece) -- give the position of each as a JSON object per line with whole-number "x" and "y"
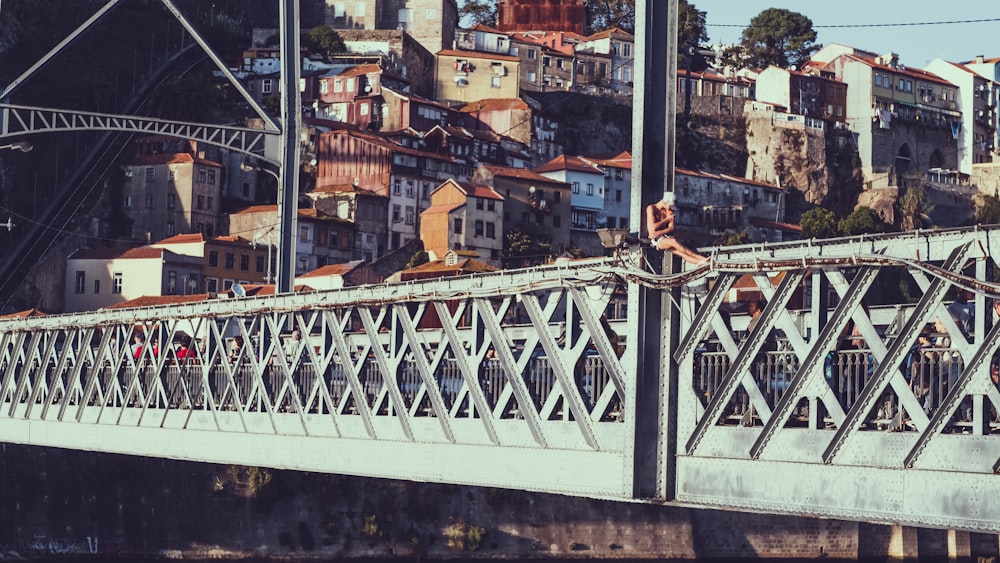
{"x": 916, "y": 45}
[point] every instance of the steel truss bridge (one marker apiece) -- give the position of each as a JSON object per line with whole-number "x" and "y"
{"x": 530, "y": 379}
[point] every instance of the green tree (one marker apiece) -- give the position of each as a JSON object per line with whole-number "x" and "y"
{"x": 989, "y": 212}
{"x": 325, "y": 40}
{"x": 691, "y": 35}
{"x": 607, "y": 14}
{"x": 733, "y": 238}
{"x": 473, "y": 12}
{"x": 521, "y": 250}
{"x": 914, "y": 209}
{"x": 419, "y": 257}
{"x": 776, "y": 37}
{"x": 818, "y": 222}
{"x": 863, "y": 220}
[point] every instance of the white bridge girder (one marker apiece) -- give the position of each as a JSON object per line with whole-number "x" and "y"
{"x": 516, "y": 379}
{"x": 16, "y": 121}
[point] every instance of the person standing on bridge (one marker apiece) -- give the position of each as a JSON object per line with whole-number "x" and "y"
{"x": 660, "y": 225}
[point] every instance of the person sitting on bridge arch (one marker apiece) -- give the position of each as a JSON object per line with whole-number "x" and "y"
{"x": 660, "y": 226}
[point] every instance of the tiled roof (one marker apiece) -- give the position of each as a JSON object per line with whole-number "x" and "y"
{"x": 520, "y": 173}
{"x": 361, "y": 69}
{"x": 436, "y": 209}
{"x": 620, "y": 160}
{"x": 726, "y": 178}
{"x": 463, "y": 133}
{"x": 303, "y": 213}
{"x": 759, "y": 222}
{"x": 905, "y": 70}
{"x": 170, "y": 158}
{"x": 476, "y": 55}
{"x": 495, "y": 104}
{"x": 466, "y": 266}
{"x": 477, "y": 190}
{"x": 332, "y": 270}
{"x": 183, "y": 239}
{"x": 140, "y": 252}
{"x": 563, "y": 162}
{"x": 485, "y": 28}
{"x": 154, "y": 300}
{"x": 262, "y": 290}
{"x": 24, "y": 314}
{"x": 608, "y": 33}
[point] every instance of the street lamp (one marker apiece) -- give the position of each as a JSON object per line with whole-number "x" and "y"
{"x": 285, "y": 280}
{"x": 23, "y": 146}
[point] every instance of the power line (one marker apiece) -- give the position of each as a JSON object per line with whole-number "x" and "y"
{"x": 863, "y": 25}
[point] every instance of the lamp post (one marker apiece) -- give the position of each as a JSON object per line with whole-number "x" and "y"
{"x": 269, "y": 278}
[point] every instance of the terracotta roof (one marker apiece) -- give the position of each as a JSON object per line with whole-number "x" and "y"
{"x": 462, "y": 132}
{"x": 332, "y": 270}
{"x": 361, "y": 69}
{"x": 521, "y": 173}
{"x": 174, "y": 158}
{"x": 620, "y": 160}
{"x": 435, "y": 209}
{"x": 477, "y": 190}
{"x": 905, "y": 70}
{"x": 485, "y": 28}
{"x": 476, "y": 55}
{"x": 306, "y": 213}
{"x": 155, "y": 300}
{"x": 262, "y": 290}
{"x": 465, "y": 266}
{"x": 24, "y": 314}
{"x": 991, "y": 61}
{"x": 563, "y": 162}
{"x": 607, "y": 33}
{"x": 139, "y": 252}
{"x": 495, "y": 104}
{"x": 759, "y": 222}
{"x": 183, "y": 239}
{"x": 726, "y": 178}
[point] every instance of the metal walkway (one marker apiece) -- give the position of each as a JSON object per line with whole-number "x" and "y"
{"x": 527, "y": 379}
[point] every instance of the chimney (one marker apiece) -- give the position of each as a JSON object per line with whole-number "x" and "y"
{"x": 980, "y": 59}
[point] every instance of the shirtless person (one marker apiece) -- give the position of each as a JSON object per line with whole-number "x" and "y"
{"x": 660, "y": 225}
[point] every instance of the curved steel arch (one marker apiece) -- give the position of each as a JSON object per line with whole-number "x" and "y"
{"x": 17, "y": 120}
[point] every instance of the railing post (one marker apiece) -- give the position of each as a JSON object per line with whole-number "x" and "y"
{"x": 652, "y": 434}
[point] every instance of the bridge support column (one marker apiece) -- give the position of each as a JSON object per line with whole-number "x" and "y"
{"x": 652, "y": 435}
{"x": 959, "y": 546}
{"x": 903, "y": 544}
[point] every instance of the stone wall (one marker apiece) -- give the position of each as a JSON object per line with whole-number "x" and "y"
{"x": 67, "y": 502}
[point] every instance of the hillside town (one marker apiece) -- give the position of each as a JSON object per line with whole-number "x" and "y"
{"x": 429, "y": 150}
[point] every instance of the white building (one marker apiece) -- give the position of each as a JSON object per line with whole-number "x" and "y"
{"x": 587, "y": 212}
{"x": 97, "y": 278}
{"x": 977, "y": 100}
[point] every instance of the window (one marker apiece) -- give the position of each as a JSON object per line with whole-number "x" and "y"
{"x": 338, "y": 85}
{"x": 171, "y": 231}
{"x": 491, "y": 230}
{"x": 458, "y": 226}
{"x": 211, "y": 177}
{"x": 201, "y": 202}
{"x": 171, "y": 282}
{"x": 245, "y": 262}
{"x": 171, "y": 201}
{"x": 576, "y": 187}
{"x": 479, "y": 203}
{"x": 81, "y": 281}
{"x": 266, "y": 86}
{"x": 410, "y": 214}
{"x": 150, "y": 174}
{"x": 494, "y": 82}
{"x": 557, "y": 196}
{"x": 479, "y": 228}
{"x": 211, "y": 203}
{"x": 149, "y": 201}
{"x": 546, "y": 61}
{"x": 304, "y": 234}
{"x": 531, "y": 77}
{"x": 321, "y": 237}
{"x": 230, "y": 261}
{"x": 202, "y": 175}
{"x": 97, "y": 286}
{"x": 212, "y": 285}
{"x": 590, "y": 189}
{"x": 261, "y": 265}
{"x": 531, "y": 53}
{"x": 324, "y": 87}
{"x": 213, "y": 258}
{"x": 909, "y": 86}
{"x": 618, "y": 195}
{"x": 627, "y": 49}
{"x": 491, "y": 205}
{"x": 364, "y": 109}
{"x": 397, "y": 213}
{"x": 127, "y": 201}
{"x": 116, "y": 283}
{"x": 901, "y": 85}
